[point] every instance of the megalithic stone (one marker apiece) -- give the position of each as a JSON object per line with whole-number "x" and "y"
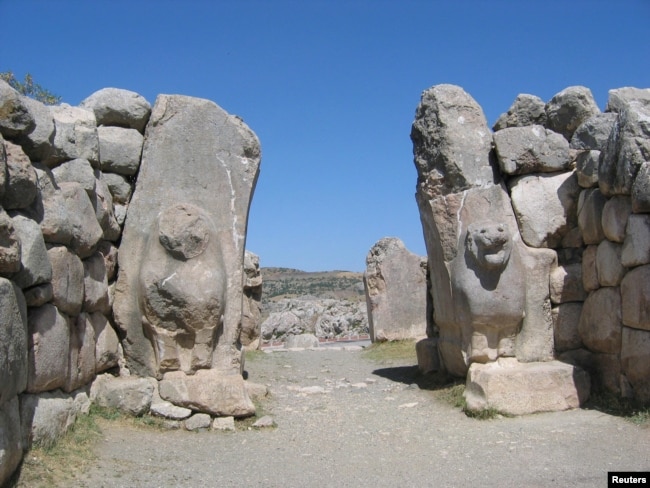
{"x": 178, "y": 298}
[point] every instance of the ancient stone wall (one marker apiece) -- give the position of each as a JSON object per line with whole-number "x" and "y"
{"x": 538, "y": 232}
{"x": 67, "y": 175}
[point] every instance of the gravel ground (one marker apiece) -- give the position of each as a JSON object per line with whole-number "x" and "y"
{"x": 345, "y": 421}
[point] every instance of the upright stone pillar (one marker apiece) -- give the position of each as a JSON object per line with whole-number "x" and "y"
{"x": 178, "y": 298}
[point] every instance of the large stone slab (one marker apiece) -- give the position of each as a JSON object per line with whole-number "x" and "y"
{"x": 13, "y": 341}
{"x": 182, "y": 251}
{"x": 515, "y": 388}
{"x": 452, "y": 142}
{"x": 208, "y": 391}
{"x": 396, "y": 285}
{"x": 118, "y": 107}
{"x": 546, "y": 207}
{"x": 127, "y": 394}
{"x": 11, "y": 444}
{"x": 533, "y": 149}
{"x": 635, "y": 298}
{"x": 75, "y": 135}
{"x": 628, "y": 147}
{"x": 251, "y": 320}
{"x": 35, "y": 267}
{"x": 635, "y": 361}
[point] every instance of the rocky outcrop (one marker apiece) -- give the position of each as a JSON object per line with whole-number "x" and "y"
{"x": 553, "y": 252}
{"x": 396, "y": 286}
{"x": 322, "y": 317}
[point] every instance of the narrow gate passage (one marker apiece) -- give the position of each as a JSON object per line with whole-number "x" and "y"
{"x": 342, "y": 421}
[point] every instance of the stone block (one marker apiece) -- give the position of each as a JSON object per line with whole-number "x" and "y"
{"x": 120, "y": 150}
{"x": 566, "y": 284}
{"x": 208, "y": 391}
{"x": 635, "y": 361}
{"x": 81, "y": 358}
{"x": 13, "y": 341}
{"x": 67, "y": 280}
{"x": 587, "y": 168}
{"x": 21, "y": 181}
{"x": 395, "y": 285}
{"x": 590, "y": 280}
{"x": 11, "y": 443}
{"x": 635, "y": 298}
{"x": 49, "y": 345}
{"x": 95, "y": 284}
{"x": 106, "y": 343}
{"x": 532, "y": 149}
{"x": 10, "y": 246}
{"x": 590, "y": 214}
{"x": 608, "y": 263}
{"x": 566, "y": 318}
{"x": 568, "y": 109}
{"x": 131, "y": 395}
{"x": 641, "y": 190}
{"x": 600, "y": 322}
{"x": 118, "y": 107}
{"x": 427, "y": 353}
{"x": 593, "y": 133}
{"x": 515, "y": 388}
{"x": 615, "y": 214}
{"x": 636, "y": 246}
{"x": 545, "y": 206}
{"x": 75, "y": 135}
{"x": 15, "y": 117}
{"x": 35, "y": 266}
{"x": 198, "y": 421}
{"x": 525, "y": 110}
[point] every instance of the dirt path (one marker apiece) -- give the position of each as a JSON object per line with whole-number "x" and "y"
{"x": 342, "y": 422}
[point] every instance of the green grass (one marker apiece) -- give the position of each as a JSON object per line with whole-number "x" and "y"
{"x": 390, "y": 351}
{"x": 631, "y": 410}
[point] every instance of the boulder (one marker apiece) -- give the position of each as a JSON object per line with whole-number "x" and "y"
{"x": 635, "y": 298}
{"x": 119, "y": 187}
{"x": 590, "y": 280}
{"x": 37, "y": 143}
{"x": 600, "y": 322}
{"x": 545, "y": 206}
{"x": 395, "y": 283}
{"x": 67, "y": 280}
{"x": 525, "y": 110}
{"x": 13, "y": 342}
{"x": 627, "y": 148}
{"x": 252, "y": 307}
{"x": 566, "y": 318}
{"x": 109, "y": 253}
{"x": 224, "y": 423}
{"x": 532, "y": 149}
{"x": 81, "y": 359}
{"x": 49, "y": 343}
{"x": 587, "y": 168}
{"x": 198, "y": 421}
{"x": 21, "y": 184}
{"x": 620, "y": 98}
{"x": 641, "y": 190}
{"x": 120, "y": 150}
{"x": 590, "y": 212}
{"x": 170, "y": 411}
{"x": 451, "y": 142}
{"x": 514, "y": 388}
{"x": 76, "y": 171}
{"x": 635, "y": 361}
{"x": 208, "y": 391}
{"x": 115, "y": 106}
{"x": 11, "y": 443}
{"x": 568, "y": 109}
{"x": 107, "y": 350}
{"x": 426, "y": 351}
{"x": 189, "y": 275}
{"x": 75, "y": 135}
{"x": 45, "y": 417}
{"x": 95, "y": 285}
{"x": 131, "y": 395}
{"x": 15, "y": 116}
{"x": 102, "y": 202}
{"x": 10, "y": 246}
{"x": 593, "y": 133}
{"x": 301, "y": 341}
{"x": 50, "y": 209}
{"x": 614, "y": 218}
{"x": 566, "y": 284}
{"x": 35, "y": 267}
{"x": 636, "y": 246}
{"x": 86, "y": 231}
{"x": 38, "y": 295}
{"x": 608, "y": 264}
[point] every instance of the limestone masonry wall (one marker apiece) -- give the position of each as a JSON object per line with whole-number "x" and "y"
{"x": 578, "y": 183}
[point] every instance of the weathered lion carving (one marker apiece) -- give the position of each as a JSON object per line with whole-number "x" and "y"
{"x": 489, "y": 283}
{"x": 182, "y": 288}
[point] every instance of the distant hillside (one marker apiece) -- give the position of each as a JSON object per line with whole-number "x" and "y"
{"x": 287, "y": 283}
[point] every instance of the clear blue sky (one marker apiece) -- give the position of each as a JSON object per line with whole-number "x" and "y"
{"x": 330, "y": 87}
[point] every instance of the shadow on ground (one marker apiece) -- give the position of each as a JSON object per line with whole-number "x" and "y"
{"x": 410, "y": 375}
